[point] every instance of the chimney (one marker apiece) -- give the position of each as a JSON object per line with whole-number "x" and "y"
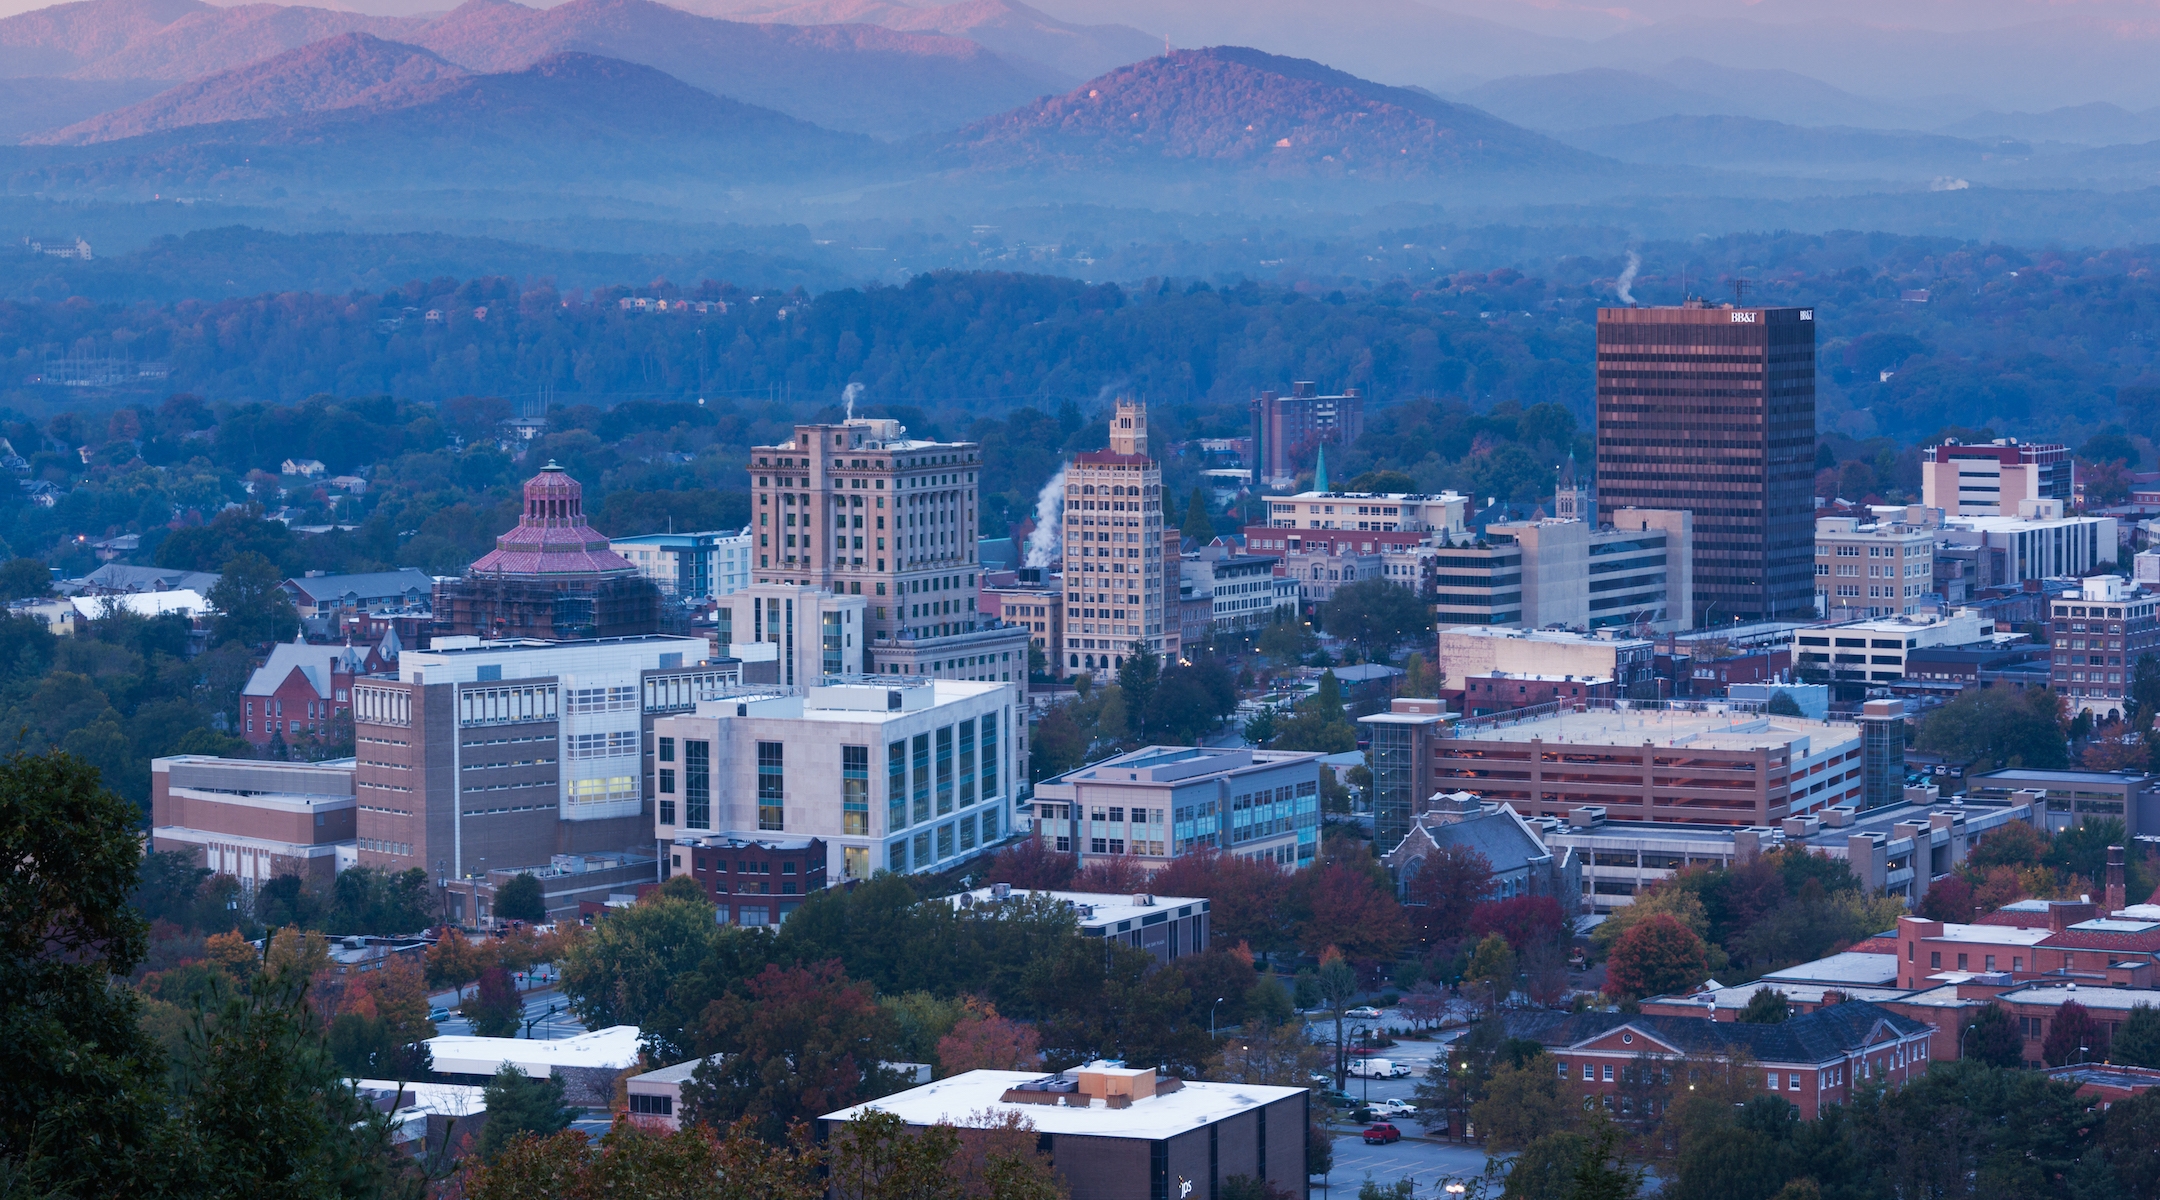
{"x": 2062, "y": 914}
{"x": 2116, "y": 901}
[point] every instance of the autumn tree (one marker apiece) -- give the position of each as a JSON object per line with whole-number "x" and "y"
{"x": 990, "y": 1156}
{"x": 1656, "y": 957}
{"x": 1349, "y": 905}
{"x": 1266, "y": 1054}
{"x": 1522, "y": 1104}
{"x": 1991, "y": 1036}
{"x": 1245, "y": 897}
{"x": 633, "y": 1158}
{"x": 454, "y": 961}
{"x": 985, "y": 1041}
{"x": 2073, "y": 1036}
{"x": 1442, "y": 890}
{"x": 793, "y": 1043}
{"x": 494, "y": 1008}
{"x": 1032, "y": 864}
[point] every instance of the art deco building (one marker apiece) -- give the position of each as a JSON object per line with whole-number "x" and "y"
{"x": 1121, "y": 566}
{"x": 552, "y": 577}
{"x": 1712, "y": 410}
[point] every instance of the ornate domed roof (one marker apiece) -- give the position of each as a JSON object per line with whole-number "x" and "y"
{"x": 552, "y": 539}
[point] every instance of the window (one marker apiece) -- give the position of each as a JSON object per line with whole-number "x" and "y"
{"x": 1589, "y": 1073}
{"x": 944, "y": 772}
{"x": 1792, "y": 1081}
{"x": 945, "y": 841}
{"x": 771, "y": 785}
{"x": 1935, "y": 960}
{"x": 967, "y": 763}
{"x": 855, "y": 789}
{"x": 651, "y": 1106}
{"x": 1773, "y": 1081}
{"x": 667, "y": 749}
{"x": 989, "y": 757}
{"x": 922, "y": 778}
{"x": 1608, "y": 1072}
{"x": 896, "y": 787}
{"x": 697, "y": 784}
{"x": 1563, "y": 1070}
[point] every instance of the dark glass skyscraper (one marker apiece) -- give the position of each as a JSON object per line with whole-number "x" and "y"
{"x": 1713, "y": 410}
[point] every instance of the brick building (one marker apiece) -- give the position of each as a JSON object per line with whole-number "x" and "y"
{"x": 752, "y": 880}
{"x": 300, "y": 690}
{"x": 254, "y": 820}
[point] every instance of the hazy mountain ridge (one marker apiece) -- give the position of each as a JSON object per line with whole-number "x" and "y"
{"x": 571, "y": 123}
{"x": 347, "y": 71}
{"x": 1007, "y": 27}
{"x": 1236, "y": 109}
{"x": 859, "y": 78}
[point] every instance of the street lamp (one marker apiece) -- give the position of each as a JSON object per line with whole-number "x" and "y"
{"x": 1211, "y": 1015}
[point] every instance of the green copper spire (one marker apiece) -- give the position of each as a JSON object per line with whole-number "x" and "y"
{"x": 1319, "y": 474}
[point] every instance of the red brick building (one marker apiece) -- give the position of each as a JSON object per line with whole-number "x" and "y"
{"x": 301, "y": 688}
{"x": 1613, "y": 1059}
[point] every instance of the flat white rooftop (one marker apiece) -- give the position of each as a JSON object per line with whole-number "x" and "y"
{"x": 1710, "y": 729}
{"x": 612, "y": 1048}
{"x": 954, "y": 1101}
{"x": 2113, "y": 998}
{"x": 1993, "y": 935}
{"x": 1098, "y": 908}
{"x": 1848, "y": 966}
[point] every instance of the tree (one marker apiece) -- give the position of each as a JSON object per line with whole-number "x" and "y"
{"x": 2143, "y": 698}
{"x": 1198, "y": 525}
{"x": 1350, "y": 905}
{"x": 1545, "y": 1170}
{"x": 1060, "y": 744}
{"x": 1767, "y": 1006}
{"x": 794, "y": 1043}
{"x": 77, "y": 1097}
{"x": 2015, "y": 844}
{"x": 1262, "y": 1053}
{"x": 634, "y": 1158}
{"x": 521, "y": 900}
{"x": 1137, "y": 680}
{"x": 2073, "y": 1036}
{"x": 517, "y": 1105}
{"x": 1656, "y": 957}
{"x": 1030, "y": 863}
{"x": 1602, "y": 1171}
{"x": 657, "y": 963}
{"x": 1245, "y": 898}
{"x": 876, "y": 1156}
{"x": 251, "y": 607}
{"x": 1287, "y": 639}
{"x": 453, "y": 961}
{"x": 1991, "y": 1036}
{"x": 1950, "y": 899}
{"x": 1421, "y": 678}
{"x": 985, "y": 1041}
{"x": 1989, "y": 727}
{"x": 495, "y": 1009}
{"x": 1377, "y": 614}
{"x": 1443, "y": 889}
{"x": 1492, "y": 964}
{"x": 1783, "y": 705}
{"x": 1525, "y": 921}
{"x": 1338, "y": 984}
{"x": 23, "y": 578}
{"x": 1523, "y": 1104}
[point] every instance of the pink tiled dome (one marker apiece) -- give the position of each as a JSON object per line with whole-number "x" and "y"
{"x": 552, "y": 538}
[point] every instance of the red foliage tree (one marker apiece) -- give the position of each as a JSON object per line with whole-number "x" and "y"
{"x": 1949, "y": 900}
{"x": 1032, "y": 864}
{"x": 2073, "y": 1036}
{"x": 1351, "y": 906}
{"x": 1657, "y": 956}
{"x": 798, "y": 1043}
{"x": 1245, "y": 898}
{"x": 985, "y": 1041}
{"x": 1523, "y": 920}
{"x": 1441, "y": 894}
{"x": 1111, "y": 874}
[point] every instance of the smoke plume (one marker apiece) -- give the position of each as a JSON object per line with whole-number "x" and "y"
{"x": 1045, "y": 542}
{"x": 1626, "y": 282}
{"x": 848, "y": 398}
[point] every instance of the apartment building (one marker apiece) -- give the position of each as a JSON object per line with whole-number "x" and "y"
{"x": 1872, "y": 569}
{"x": 484, "y": 755}
{"x": 902, "y": 774}
{"x": 1289, "y": 430}
{"x": 301, "y": 690}
{"x": 1121, "y": 563}
{"x": 1240, "y": 591}
{"x": 1992, "y": 479}
{"x": 1578, "y": 576}
{"x": 2097, "y": 636}
{"x": 1158, "y": 802}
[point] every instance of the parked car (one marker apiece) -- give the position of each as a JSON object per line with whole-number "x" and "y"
{"x": 1382, "y": 1134}
{"x": 1364, "y": 1012}
{"x": 1335, "y": 1099}
{"x": 1391, "y": 1109}
{"x": 438, "y": 1014}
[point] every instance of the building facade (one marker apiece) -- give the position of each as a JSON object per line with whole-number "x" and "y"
{"x": 2097, "y": 637}
{"x": 1402, "y": 740}
{"x": 792, "y": 634}
{"x": 1464, "y": 652}
{"x": 1168, "y": 927}
{"x": 1874, "y": 651}
{"x": 1287, "y": 431}
{"x": 255, "y": 820}
{"x": 552, "y": 577}
{"x": 751, "y": 880}
{"x": 691, "y": 566}
{"x": 1332, "y": 522}
{"x": 1158, "y": 802}
{"x": 1991, "y": 479}
{"x": 1121, "y": 564}
{"x": 484, "y": 756}
{"x": 904, "y": 774}
{"x": 300, "y": 691}
{"x": 1712, "y": 410}
{"x": 1878, "y": 569}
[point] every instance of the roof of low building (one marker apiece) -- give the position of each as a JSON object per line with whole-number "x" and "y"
{"x": 316, "y": 663}
{"x": 612, "y": 1048}
{"x": 370, "y": 585}
{"x": 955, "y": 1100}
{"x": 1848, "y": 966}
{"x": 1825, "y": 1035}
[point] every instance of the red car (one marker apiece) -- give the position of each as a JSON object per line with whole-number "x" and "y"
{"x": 1381, "y": 1134}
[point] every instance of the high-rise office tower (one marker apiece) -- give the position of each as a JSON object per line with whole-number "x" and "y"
{"x": 1712, "y": 410}
{"x": 862, "y": 509}
{"x": 1121, "y": 568}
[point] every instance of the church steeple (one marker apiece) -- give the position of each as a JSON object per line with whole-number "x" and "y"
{"x": 1319, "y": 475}
{"x": 1571, "y": 500}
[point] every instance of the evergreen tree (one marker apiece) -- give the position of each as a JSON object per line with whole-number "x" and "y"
{"x": 1992, "y": 1037}
{"x": 521, "y": 900}
{"x": 518, "y": 1103}
{"x": 1766, "y": 1007}
{"x": 1198, "y": 525}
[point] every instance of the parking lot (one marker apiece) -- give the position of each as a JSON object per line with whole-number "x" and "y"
{"x": 1430, "y": 1164}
